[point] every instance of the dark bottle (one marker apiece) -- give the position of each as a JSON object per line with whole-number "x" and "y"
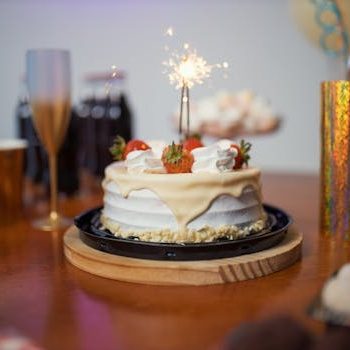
{"x": 107, "y": 115}
{"x": 86, "y": 134}
{"x": 35, "y": 159}
{"x": 68, "y": 167}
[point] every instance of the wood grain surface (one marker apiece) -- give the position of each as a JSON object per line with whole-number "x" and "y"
{"x": 182, "y": 273}
{"x": 47, "y": 299}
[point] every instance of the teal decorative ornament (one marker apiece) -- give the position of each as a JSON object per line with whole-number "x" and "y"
{"x": 334, "y": 39}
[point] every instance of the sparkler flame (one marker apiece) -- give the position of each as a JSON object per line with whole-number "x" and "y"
{"x": 187, "y": 69}
{"x": 113, "y": 76}
{"x": 169, "y": 32}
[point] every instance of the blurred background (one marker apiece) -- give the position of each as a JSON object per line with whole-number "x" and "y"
{"x": 260, "y": 40}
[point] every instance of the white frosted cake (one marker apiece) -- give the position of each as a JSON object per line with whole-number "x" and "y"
{"x": 209, "y": 202}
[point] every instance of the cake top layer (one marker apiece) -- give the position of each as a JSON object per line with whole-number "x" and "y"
{"x": 187, "y": 195}
{"x": 188, "y": 156}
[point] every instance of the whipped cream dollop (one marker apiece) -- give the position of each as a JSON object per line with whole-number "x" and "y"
{"x": 147, "y": 161}
{"x": 217, "y": 158}
{"x": 157, "y": 147}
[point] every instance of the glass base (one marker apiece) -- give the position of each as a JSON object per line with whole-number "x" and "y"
{"x": 53, "y": 222}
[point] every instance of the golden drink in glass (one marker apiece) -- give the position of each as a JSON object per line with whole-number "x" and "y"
{"x": 49, "y": 87}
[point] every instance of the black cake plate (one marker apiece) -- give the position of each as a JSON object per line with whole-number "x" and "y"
{"x": 91, "y": 234}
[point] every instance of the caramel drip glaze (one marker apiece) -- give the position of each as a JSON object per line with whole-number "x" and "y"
{"x": 187, "y": 195}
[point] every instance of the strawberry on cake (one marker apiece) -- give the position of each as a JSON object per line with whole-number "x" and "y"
{"x": 182, "y": 193}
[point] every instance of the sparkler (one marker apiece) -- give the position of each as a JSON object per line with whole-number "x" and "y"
{"x": 185, "y": 70}
{"x": 111, "y": 78}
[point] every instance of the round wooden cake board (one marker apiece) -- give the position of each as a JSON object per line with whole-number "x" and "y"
{"x": 201, "y": 272}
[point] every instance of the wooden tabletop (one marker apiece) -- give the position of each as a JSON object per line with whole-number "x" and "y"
{"x": 45, "y": 298}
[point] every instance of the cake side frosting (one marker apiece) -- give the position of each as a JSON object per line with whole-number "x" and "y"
{"x": 186, "y": 195}
{"x": 143, "y": 209}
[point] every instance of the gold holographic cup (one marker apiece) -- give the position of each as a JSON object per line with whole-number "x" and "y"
{"x": 335, "y": 159}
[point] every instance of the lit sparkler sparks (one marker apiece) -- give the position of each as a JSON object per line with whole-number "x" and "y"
{"x": 113, "y": 76}
{"x": 114, "y": 70}
{"x": 169, "y": 32}
{"x": 187, "y": 69}
{"x": 184, "y": 71}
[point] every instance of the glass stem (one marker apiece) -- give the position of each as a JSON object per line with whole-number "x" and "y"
{"x": 53, "y": 186}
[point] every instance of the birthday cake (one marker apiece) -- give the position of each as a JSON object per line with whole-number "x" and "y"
{"x": 182, "y": 193}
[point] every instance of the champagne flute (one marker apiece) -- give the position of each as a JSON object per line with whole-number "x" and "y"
{"x": 49, "y": 88}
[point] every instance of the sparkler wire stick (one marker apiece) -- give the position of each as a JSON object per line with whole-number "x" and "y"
{"x": 185, "y": 99}
{"x": 181, "y": 108}
{"x": 187, "y": 90}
